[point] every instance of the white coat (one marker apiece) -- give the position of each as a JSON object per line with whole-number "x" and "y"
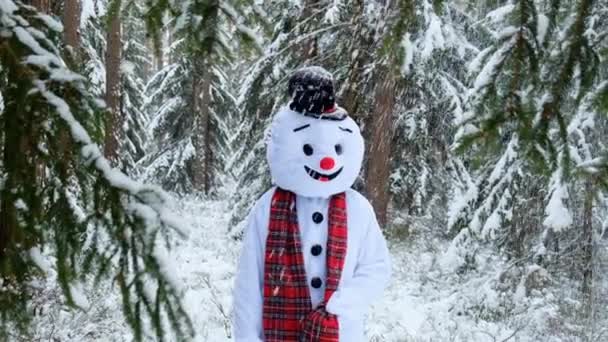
{"x": 364, "y": 276}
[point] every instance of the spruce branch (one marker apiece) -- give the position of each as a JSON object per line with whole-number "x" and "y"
{"x": 115, "y": 230}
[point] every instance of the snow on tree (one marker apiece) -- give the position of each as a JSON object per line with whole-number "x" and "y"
{"x": 93, "y": 45}
{"x": 134, "y": 65}
{"x": 534, "y": 94}
{"x": 92, "y": 220}
{"x": 485, "y": 121}
{"x": 297, "y": 39}
{"x": 432, "y": 50}
{"x": 364, "y": 61}
{"x": 191, "y": 100}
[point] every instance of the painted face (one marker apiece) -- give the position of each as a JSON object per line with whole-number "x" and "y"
{"x": 314, "y": 157}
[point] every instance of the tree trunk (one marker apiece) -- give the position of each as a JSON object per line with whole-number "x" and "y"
{"x": 158, "y": 53}
{"x": 587, "y": 237}
{"x": 43, "y": 6}
{"x": 71, "y": 24}
{"x": 169, "y": 44}
{"x": 309, "y": 47}
{"x": 381, "y": 134}
{"x": 21, "y": 133}
{"x": 150, "y": 66}
{"x": 71, "y": 38}
{"x": 202, "y": 139}
{"x": 350, "y": 94}
{"x": 12, "y": 157}
{"x": 114, "y": 116}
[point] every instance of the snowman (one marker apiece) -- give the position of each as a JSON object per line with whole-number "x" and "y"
{"x": 313, "y": 256}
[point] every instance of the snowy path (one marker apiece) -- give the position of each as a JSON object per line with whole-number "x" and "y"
{"x": 421, "y": 304}
{"x": 206, "y": 263}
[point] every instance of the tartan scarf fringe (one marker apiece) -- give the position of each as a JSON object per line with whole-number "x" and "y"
{"x": 288, "y": 315}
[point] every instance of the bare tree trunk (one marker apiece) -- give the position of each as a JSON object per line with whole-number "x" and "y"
{"x": 202, "y": 139}
{"x": 114, "y": 116}
{"x": 71, "y": 24}
{"x": 381, "y": 134}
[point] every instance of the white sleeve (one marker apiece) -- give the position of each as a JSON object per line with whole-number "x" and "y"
{"x": 371, "y": 275}
{"x": 248, "y": 289}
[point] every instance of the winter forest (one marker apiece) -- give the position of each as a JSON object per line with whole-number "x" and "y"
{"x": 132, "y": 148}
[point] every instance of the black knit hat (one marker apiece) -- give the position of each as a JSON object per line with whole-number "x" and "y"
{"x": 312, "y": 93}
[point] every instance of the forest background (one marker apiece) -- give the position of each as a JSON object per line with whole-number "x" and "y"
{"x": 132, "y": 148}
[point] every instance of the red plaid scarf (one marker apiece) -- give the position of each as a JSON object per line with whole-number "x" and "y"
{"x": 288, "y": 314}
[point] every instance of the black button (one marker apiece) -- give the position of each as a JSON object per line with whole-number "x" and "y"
{"x": 316, "y": 282}
{"x": 316, "y": 250}
{"x": 317, "y": 217}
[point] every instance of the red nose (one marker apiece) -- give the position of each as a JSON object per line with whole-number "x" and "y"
{"x": 327, "y": 163}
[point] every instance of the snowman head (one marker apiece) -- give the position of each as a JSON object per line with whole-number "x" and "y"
{"x": 314, "y": 148}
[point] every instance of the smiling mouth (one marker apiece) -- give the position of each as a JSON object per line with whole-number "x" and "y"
{"x": 320, "y": 176}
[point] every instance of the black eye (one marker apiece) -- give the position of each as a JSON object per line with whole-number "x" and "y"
{"x": 307, "y": 150}
{"x": 338, "y": 149}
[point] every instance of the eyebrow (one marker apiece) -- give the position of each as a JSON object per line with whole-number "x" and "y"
{"x": 346, "y": 129}
{"x": 301, "y": 128}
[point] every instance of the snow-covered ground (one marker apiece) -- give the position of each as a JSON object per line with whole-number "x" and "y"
{"x": 423, "y": 303}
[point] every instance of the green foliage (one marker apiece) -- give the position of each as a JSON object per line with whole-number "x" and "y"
{"x": 602, "y": 98}
{"x": 202, "y": 19}
{"x": 113, "y": 10}
{"x": 154, "y": 17}
{"x": 402, "y": 20}
{"x": 525, "y": 66}
{"x": 136, "y": 62}
{"x": 297, "y": 40}
{"x": 534, "y": 132}
{"x": 191, "y": 123}
{"x": 189, "y": 135}
{"x": 60, "y": 196}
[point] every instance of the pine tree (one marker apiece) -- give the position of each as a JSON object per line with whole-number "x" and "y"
{"x": 395, "y": 57}
{"x": 304, "y": 34}
{"x": 71, "y": 23}
{"x": 191, "y": 99}
{"x": 135, "y": 62}
{"x": 113, "y": 95}
{"x": 93, "y": 45}
{"x": 505, "y": 98}
{"x": 535, "y": 93}
{"x": 356, "y": 43}
{"x": 432, "y": 50}
{"x": 94, "y": 221}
